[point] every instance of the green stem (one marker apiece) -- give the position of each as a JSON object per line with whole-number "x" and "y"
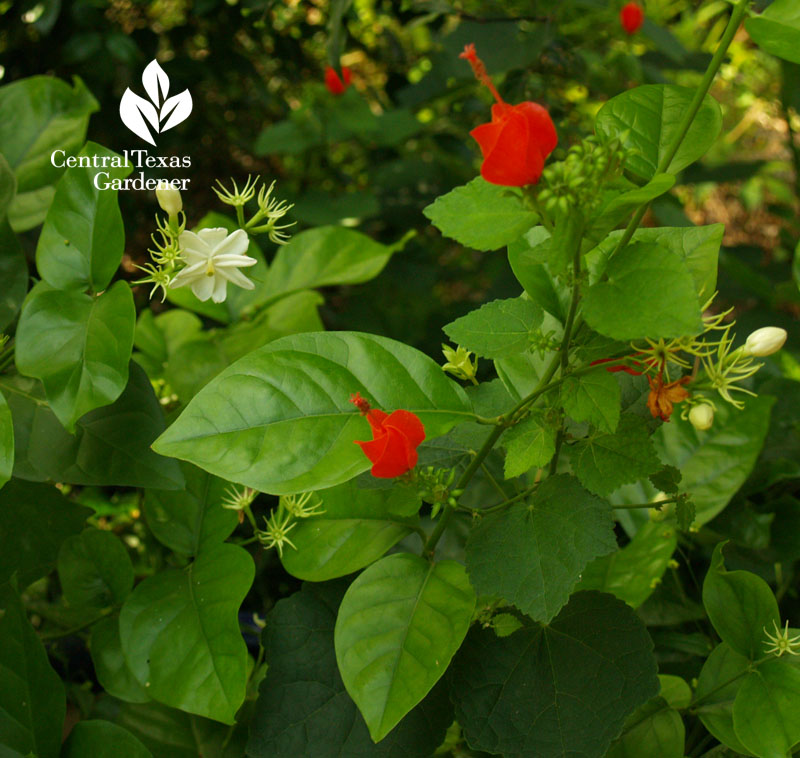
{"x": 649, "y": 505}
{"x": 492, "y": 480}
{"x": 499, "y": 506}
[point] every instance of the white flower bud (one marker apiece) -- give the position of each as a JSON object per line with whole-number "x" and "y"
{"x": 765, "y": 341}
{"x": 168, "y": 198}
{"x": 701, "y": 417}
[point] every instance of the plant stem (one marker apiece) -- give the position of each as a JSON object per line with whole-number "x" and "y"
{"x": 499, "y": 506}
{"x": 649, "y": 505}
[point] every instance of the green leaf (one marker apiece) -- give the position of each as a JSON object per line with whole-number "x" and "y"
{"x": 533, "y": 553}
{"x": 102, "y": 739}
{"x": 480, "y": 215}
{"x": 48, "y": 115}
{"x": 32, "y": 703}
{"x": 94, "y": 569}
{"x": 633, "y": 572}
{"x": 593, "y": 397}
{"x": 766, "y": 713}
{"x": 180, "y": 633}
{"x": 280, "y": 420}
{"x": 34, "y": 520}
{"x": 776, "y": 30}
{"x": 399, "y": 624}
{"x": 740, "y": 605}
{"x": 111, "y": 445}
{"x": 6, "y": 441}
{"x": 666, "y": 479}
{"x": 303, "y": 708}
{"x": 529, "y": 696}
{"x": 193, "y": 519}
{"x": 649, "y": 293}
{"x": 83, "y": 238}
{"x": 109, "y": 662}
{"x": 505, "y": 624}
{"x": 8, "y": 187}
{"x": 652, "y": 729}
{"x": 13, "y": 274}
{"x": 499, "y": 328}
{"x": 526, "y": 257}
{"x": 530, "y": 443}
{"x": 604, "y": 462}
{"x": 648, "y": 117}
{"x": 357, "y": 528}
{"x": 78, "y": 346}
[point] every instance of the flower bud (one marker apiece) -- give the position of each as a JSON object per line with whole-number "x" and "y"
{"x": 169, "y": 198}
{"x": 701, "y": 417}
{"x": 765, "y": 341}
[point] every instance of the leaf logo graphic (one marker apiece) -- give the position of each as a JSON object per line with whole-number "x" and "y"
{"x": 160, "y": 112}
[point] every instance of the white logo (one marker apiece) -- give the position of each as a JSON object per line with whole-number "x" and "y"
{"x": 161, "y": 112}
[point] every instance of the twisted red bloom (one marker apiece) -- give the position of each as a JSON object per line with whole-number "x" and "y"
{"x": 631, "y": 17}
{"x": 518, "y": 139}
{"x": 335, "y": 84}
{"x": 395, "y": 439}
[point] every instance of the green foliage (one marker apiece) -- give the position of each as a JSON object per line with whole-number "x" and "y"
{"x": 776, "y": 29}
{"x": 112, "y": 670}
{"x": 6, "y": 441}
{"x": 103, "y": 740}
{"x": 13, "y": 273}
{"x": 530, "y": 443}
{"x": 594, "y": 397}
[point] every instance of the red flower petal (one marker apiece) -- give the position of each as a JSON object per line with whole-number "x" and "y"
{"x": 408, "y": 424}
{"x": 332, "y": 81}
{"x": 631, "y": 17}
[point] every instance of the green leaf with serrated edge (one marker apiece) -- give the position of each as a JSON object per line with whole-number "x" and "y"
{"x": 203, "y": 669}
{"x": 6, "y": 441}
{"x": 527, "y": 257}
{"x": 777, "y": 29}
{"x": 399, "y": 624}
{"x": 533, "y": 553}
{"x": 111, "y": 445}
{"x": 357, "y": 528}
{"x": 94, "y": 569}
{"x": 303, "y": 708}
{"x": 505, "y": 624}
{"x": 633, "y": 572}
{"x": 649, "y": 293}
{"x": 480, "y": 215}
{"x": 109, "y": 662}
{"x": 715, "y": 464}
{"x": 499, "y": 328}
{"x": 685, "y": 513}
{"x": 666, "y": 479}
{"x": 528, "y": 695}
{"x": 717, "y": 686}
{"x": 593, "y": 397}
{"x": 83, "y": 237}
{"x": 32, "y": 703}
{"x": 648, "y": 119}
{"x": 34, "y": 520}
{"x": 604, "y": 462}
{"x": 280, "y": 419}
{"x": 13, "y": 274}
{"x": 653, "y": 729}
{"x": 78, "y": 346}
{"x": 766, "y": 712}
{"x": 530, "y": 443}
{"x": 697, "y": 246}
{"x": 740, "y": 605}
{"x": 102, "y": 739}
{"x": 190, "y": 520}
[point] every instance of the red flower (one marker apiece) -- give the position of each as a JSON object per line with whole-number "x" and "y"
{"x": 518, "y": 139}
{"x": 631, "y": 17}
{"x": 332, "y": 81}
{"x": 395, "y": 438}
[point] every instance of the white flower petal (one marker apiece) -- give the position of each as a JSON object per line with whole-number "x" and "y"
{"x": 189, "y": 274}
{"x": 235, "y": 261}
{"x": 214, "y": 236}
{"x": 203, "y": 287}
{"x": 236, "y": 277}
{"x": 191, "y": 243}
{"x": 220, "y": 289}
{"x": 233, "y": 244}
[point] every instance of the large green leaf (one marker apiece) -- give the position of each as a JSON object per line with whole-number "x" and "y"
{"x": 649, "y": 293}
{"x": 102, "y": 739}
{"x": 83, "y": 238}
{"x": 303, "y": 708}
{"x": 110, "y": 666}
{"x": 653, "y": 729}
{"x": 529, "y": 695}
{"x": 533, "y": 553}
{"x": 530, "y": 443}
{"x": 32, "y": 704}
{"x": 48, "y": 115}
{"x": 193, "y": 519}
{"x": 111, "y": 445}
{"x": 34, "y": 520}
{"x": 526, "y": 258}
{"x": 94, "y": 569}
{"x": 777, "y": 29}
{"x": 78, "y": 346}
{"x": 8, "y": 187}
{"x": 399, "y": 624}
{"x": 6, "y": 441}
{"x": 648, "y": 117}
{"x": 13, "y": 274}
{"x": 280, "y": 420}
{"x": 740, "y": 605}
{"x": 356, "y": 528}
{"x": 180, "y": 633}
{"x": 593, "y": 397}
{"x": 481, "y": 215}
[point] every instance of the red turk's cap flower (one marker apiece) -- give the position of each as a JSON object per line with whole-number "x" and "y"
{"x": 332, "y": 81}
{"x": 631, "y": 17}
{"x": 518, "y": 139}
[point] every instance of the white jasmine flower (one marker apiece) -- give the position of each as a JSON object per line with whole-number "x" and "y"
{"x": 169, "y": 198}
{"x": 765, "y": 341}
{"x": 213, "y": 258}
